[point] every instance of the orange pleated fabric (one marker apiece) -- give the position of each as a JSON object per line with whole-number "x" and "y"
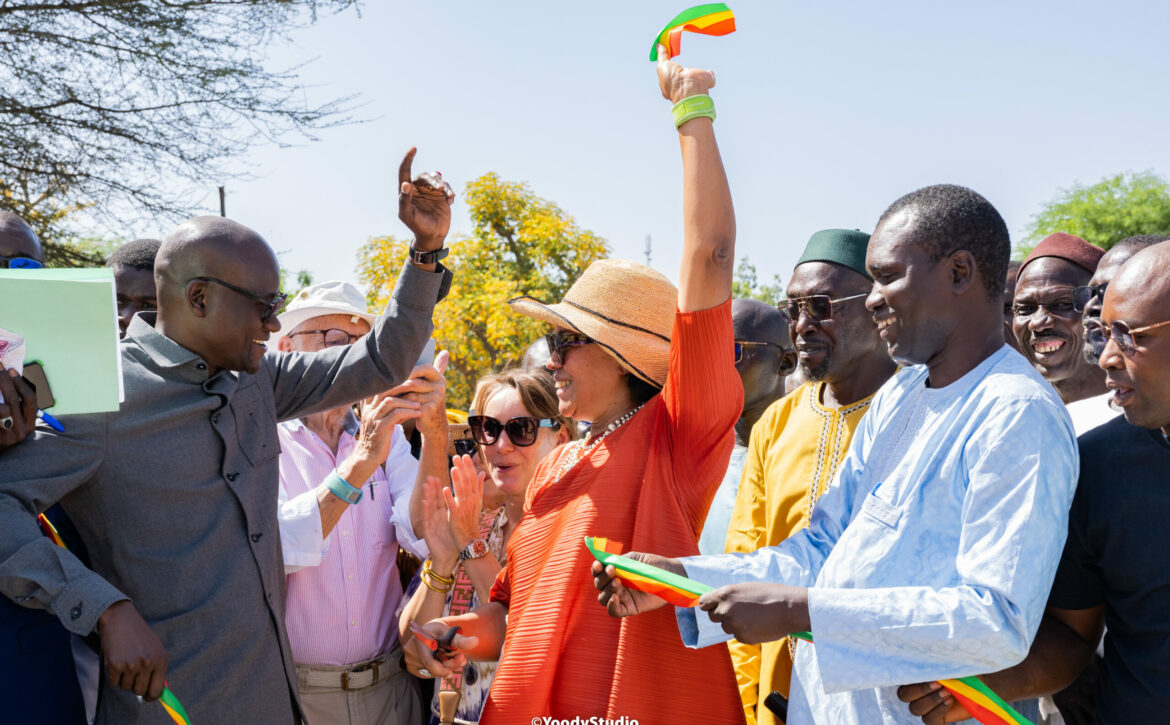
{"x": 648, "y": 486}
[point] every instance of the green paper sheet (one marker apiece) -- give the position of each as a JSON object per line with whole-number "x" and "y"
{"x": 68, "y": 320}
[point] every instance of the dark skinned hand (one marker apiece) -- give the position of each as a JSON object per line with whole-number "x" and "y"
{"x": 424, "y": 205}
{"x": 756, "y": 612}
{"x": 933, "y": 703}
{"x": 620, "y": 600}
{"x": 133, "y": 654}
{"x": 20, "y": 404}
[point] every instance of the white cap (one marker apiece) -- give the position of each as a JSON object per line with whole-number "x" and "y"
{"x": 324, "y": 298}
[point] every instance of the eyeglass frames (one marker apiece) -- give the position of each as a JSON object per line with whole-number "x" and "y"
{"x": 332, "y": 337}
{"x": 1082, "y": 296}
{"x": 20, "y": 263}
{"x": 818, "y": 307}
{"x": 464, "y": 446}
{"x": 271, "y": 304}
{"x": 521, "y": 430}
{"x": 740, "y": 344}
{"x": 558, "y": 342}
{"x": 1123, "y": 336}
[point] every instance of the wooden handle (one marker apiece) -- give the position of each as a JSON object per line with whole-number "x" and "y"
{"x": 448, "y": 704}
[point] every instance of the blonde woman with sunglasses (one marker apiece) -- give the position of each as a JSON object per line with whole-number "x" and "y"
{"x": 467, "y": 527}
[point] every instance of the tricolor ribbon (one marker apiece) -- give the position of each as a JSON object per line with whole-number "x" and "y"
{"x": 978, "y": 699}
{"x": 709, "y": 19}
{"x": 167, "y": 699}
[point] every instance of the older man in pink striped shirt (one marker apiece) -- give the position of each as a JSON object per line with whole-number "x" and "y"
{"x": 345, "y": 492}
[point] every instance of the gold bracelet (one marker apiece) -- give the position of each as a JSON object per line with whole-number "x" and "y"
{"x": 441, "y": 579}
{"x": 432, "y": 587}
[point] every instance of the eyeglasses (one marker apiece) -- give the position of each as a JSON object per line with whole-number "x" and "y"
{"x": 464, "y": 446}
{"x": 559, "y": 341}
{"x": 1082, "y": 296}
{"x": 20, "y": 263}
{"x": 271, "y": 304}
{"x": 818, "y": 307}
{"x": 332, "y": 337}
{"x": 1123, "y": 336}
{"x": 521, "y": 430}
{"x": 740, "y": 344}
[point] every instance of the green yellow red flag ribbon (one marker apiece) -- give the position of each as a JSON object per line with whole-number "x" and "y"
{"x": 709, "y": 19}
{"x": 978, "y": 699}
{"x": 167, "y": 699}
{"x": 678, "y": 590}
{"x": 173, "y": 707}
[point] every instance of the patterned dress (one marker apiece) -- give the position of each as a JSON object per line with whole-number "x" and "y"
{"x": 475, "y": 680}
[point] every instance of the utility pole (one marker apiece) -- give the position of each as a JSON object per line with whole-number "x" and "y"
{"x": 222, "y": 207}
{"x": 647, "y": 250}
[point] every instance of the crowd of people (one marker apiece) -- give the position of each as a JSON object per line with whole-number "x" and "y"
{"x": 937, "y": 462}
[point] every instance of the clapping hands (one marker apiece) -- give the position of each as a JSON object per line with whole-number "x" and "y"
{"x": 451, "y": 515}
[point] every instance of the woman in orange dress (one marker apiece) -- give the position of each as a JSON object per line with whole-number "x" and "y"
{"x": 652, "y": 368}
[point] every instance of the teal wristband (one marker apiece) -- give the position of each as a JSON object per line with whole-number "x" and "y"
{"x": 340, "y": 488}
{"x": 693, "y": 107}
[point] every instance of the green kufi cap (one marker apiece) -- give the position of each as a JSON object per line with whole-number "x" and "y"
{"x": 845, "y": 247}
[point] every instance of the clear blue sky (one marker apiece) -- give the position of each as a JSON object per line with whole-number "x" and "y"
{"x": 828, "y": 111}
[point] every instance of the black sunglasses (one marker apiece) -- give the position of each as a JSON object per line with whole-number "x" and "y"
{"x": 464, "y": 446}
{"x": 818, "y": 307}
{"x": 1082, "y": 296}
{"x": 271, "y": 304}
{"x": 740, "y": 344}
{"x": 521, "y": 430}
{"x": 558, "y": 342}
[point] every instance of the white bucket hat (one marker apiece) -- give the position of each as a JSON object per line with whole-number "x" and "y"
{"x": 324, "y": 298}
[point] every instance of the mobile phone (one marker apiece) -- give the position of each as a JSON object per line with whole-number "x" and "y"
{"x": 34, "y": 373}
{"x": 428, "y": 354}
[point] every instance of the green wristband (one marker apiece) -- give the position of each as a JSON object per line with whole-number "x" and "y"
{"x": 693, "y": 107}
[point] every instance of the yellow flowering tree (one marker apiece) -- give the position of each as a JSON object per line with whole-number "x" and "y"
{"x": 521, "y": 244}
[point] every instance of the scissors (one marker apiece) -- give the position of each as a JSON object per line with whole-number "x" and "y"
{"x": 440, "y": 648}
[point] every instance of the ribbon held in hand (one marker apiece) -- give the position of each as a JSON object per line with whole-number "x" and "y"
{"x": 977, "y": 698}
{"x": 678, "y": 590}
{"x": 167, "y": 699}
{"x": 709, "y": 19}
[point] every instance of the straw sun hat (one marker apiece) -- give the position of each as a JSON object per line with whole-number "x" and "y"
{"x": 625, "y": 307}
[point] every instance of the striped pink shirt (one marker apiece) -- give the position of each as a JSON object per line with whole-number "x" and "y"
{"x": 343, "y": 590}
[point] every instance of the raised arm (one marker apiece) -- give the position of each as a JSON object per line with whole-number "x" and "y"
{"x": 305, "y": 383}
{"x": 708, "y": 217}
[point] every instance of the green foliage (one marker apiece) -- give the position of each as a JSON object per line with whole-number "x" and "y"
{"x": 521, "y": 244}
{"x": 1103, "y": 214}
{"x": 745, "y": 284}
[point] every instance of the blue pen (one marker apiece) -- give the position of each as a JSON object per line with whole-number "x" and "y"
{"x": 51, "y": 421}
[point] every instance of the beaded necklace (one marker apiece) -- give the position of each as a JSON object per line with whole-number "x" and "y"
{"x": 582, "y": 448}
